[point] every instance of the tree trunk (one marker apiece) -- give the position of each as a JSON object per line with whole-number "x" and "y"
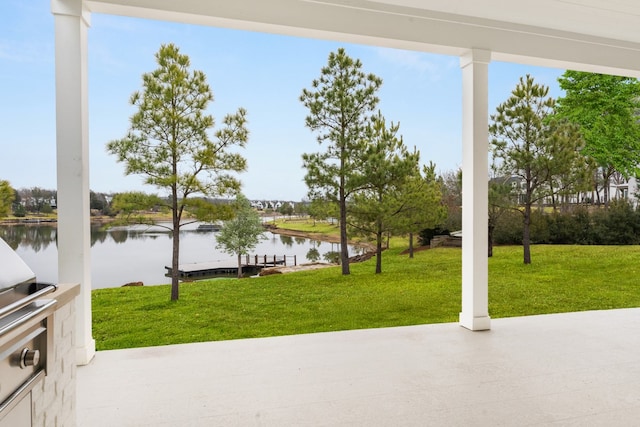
{"x": 175, "y": 258}
{"x": 605, "y": 192}
{"x": 410, "y": 245}
{"x": 526, "y": 233}
{"x": 344, "y": 244}
{"x": 379, "y": 249}
{"x": 490, "y": 239}
{"x": 239, "y": 266}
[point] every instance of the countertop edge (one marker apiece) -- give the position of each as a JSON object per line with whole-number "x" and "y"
{"x": 66, "y": 292}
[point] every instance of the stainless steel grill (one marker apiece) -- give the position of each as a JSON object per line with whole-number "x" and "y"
{"x": 25, "y": 336}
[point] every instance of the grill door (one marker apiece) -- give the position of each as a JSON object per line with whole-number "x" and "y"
{"x": 19, "y": 415}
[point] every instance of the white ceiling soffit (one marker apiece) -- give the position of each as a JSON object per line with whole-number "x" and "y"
{"x": 614, "y": 19}
{"x": 589, "y": 35}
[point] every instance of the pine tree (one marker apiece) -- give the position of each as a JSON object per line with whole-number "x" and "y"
{"x": 529, "y": 145}
{"x": 385, "y": 166}
{"x": 340, "y": 103}
{"x": 168, "y": 141}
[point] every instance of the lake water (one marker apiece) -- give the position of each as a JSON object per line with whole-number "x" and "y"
{"x": 139, "y": 253}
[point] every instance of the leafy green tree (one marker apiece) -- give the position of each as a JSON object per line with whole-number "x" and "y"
{"x": 301, "y": 208}
{"x": 46, "y": 209}
{"x": 7, "y": 196}
{"x": 19, "y": 210}
{"x": 570, "y": 168}
{"x": 131, "y": 206}
{"x": 386, "y": 164}
{"x": 606, "y": 108}
{"x": 451, "y": 184}
{"x": 286, "y": 209}
{"x": 421, "y": 205}
{"x": 38, "y": 197}
{"x": 321, "y": 209}
{"x": 16, "y": 206}
{"x": 340, "y": 103}
{"x": 168, "y": 141}
{"x": 241, "y": 234}
{"x": 528, "y": 145}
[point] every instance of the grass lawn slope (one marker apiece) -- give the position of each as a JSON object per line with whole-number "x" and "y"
{"x": 426, "y": 289}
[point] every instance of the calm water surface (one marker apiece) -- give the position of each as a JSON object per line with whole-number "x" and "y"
{"x": 139, "y": 253}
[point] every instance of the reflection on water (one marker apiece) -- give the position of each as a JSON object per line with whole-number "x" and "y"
{"x": 287, "y": 241}
{"x": 36, "y": 237}
{"x": 313, "y": 255}
{"x": 139, "y": 253}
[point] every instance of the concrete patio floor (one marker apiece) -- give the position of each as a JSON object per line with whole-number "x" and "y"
{"x": 577, "y": 369}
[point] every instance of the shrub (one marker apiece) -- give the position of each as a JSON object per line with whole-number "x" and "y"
{"x": 508, "y": 229}
{"x": 540, "y": 227}
{"x": 570, "y": 227}
{"x": 19, "y": 210}
{"x": 617, "y": 225}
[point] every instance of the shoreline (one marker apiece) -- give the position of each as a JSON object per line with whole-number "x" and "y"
{"x": 367, "y": 247}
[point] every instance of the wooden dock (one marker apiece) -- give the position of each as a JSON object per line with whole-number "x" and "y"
{"x": 229, "y": 268}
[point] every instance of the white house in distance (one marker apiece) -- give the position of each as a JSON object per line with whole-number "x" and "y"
{"x": 620, "y": 188}
{"x": 270, "y": 204}
{"x": 588, "y": 35}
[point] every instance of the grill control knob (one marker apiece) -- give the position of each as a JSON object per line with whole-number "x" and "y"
{"x": 29, "y": 358}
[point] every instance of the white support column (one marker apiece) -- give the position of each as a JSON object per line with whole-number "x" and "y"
{"x": 475, "y": 193}
{"x": 72, "y": 136}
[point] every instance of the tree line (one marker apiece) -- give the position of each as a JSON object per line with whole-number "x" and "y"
{"x": 548, "y": 152}
{"x": 23, "y": 201}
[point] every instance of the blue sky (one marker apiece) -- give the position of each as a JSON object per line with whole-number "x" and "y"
{"x": 264, "y": 73}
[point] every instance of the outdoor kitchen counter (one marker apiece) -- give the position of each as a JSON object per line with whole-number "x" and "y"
{"x": 66, "y": 293}
{"x": 54, "y": 399}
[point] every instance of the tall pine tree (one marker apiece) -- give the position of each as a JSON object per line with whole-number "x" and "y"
{"x": 340, "y": 104}
{"x": 386, "y": 165}
{"x": 528, "y": 145}
{"x": 168, "y": 142}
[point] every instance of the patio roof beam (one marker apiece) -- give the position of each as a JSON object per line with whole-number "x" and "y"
{"x": 391, "y": 24}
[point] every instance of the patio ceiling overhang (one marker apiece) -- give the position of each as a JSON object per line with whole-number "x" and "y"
{"x": 588, "y": 35}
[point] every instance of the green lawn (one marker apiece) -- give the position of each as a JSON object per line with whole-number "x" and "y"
{"x": 426, "y": 289}
{"x": 307, "y": 225}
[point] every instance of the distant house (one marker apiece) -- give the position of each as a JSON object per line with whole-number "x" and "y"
{"x": 620, "y": 188}
{"x": 257, "y": 205}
